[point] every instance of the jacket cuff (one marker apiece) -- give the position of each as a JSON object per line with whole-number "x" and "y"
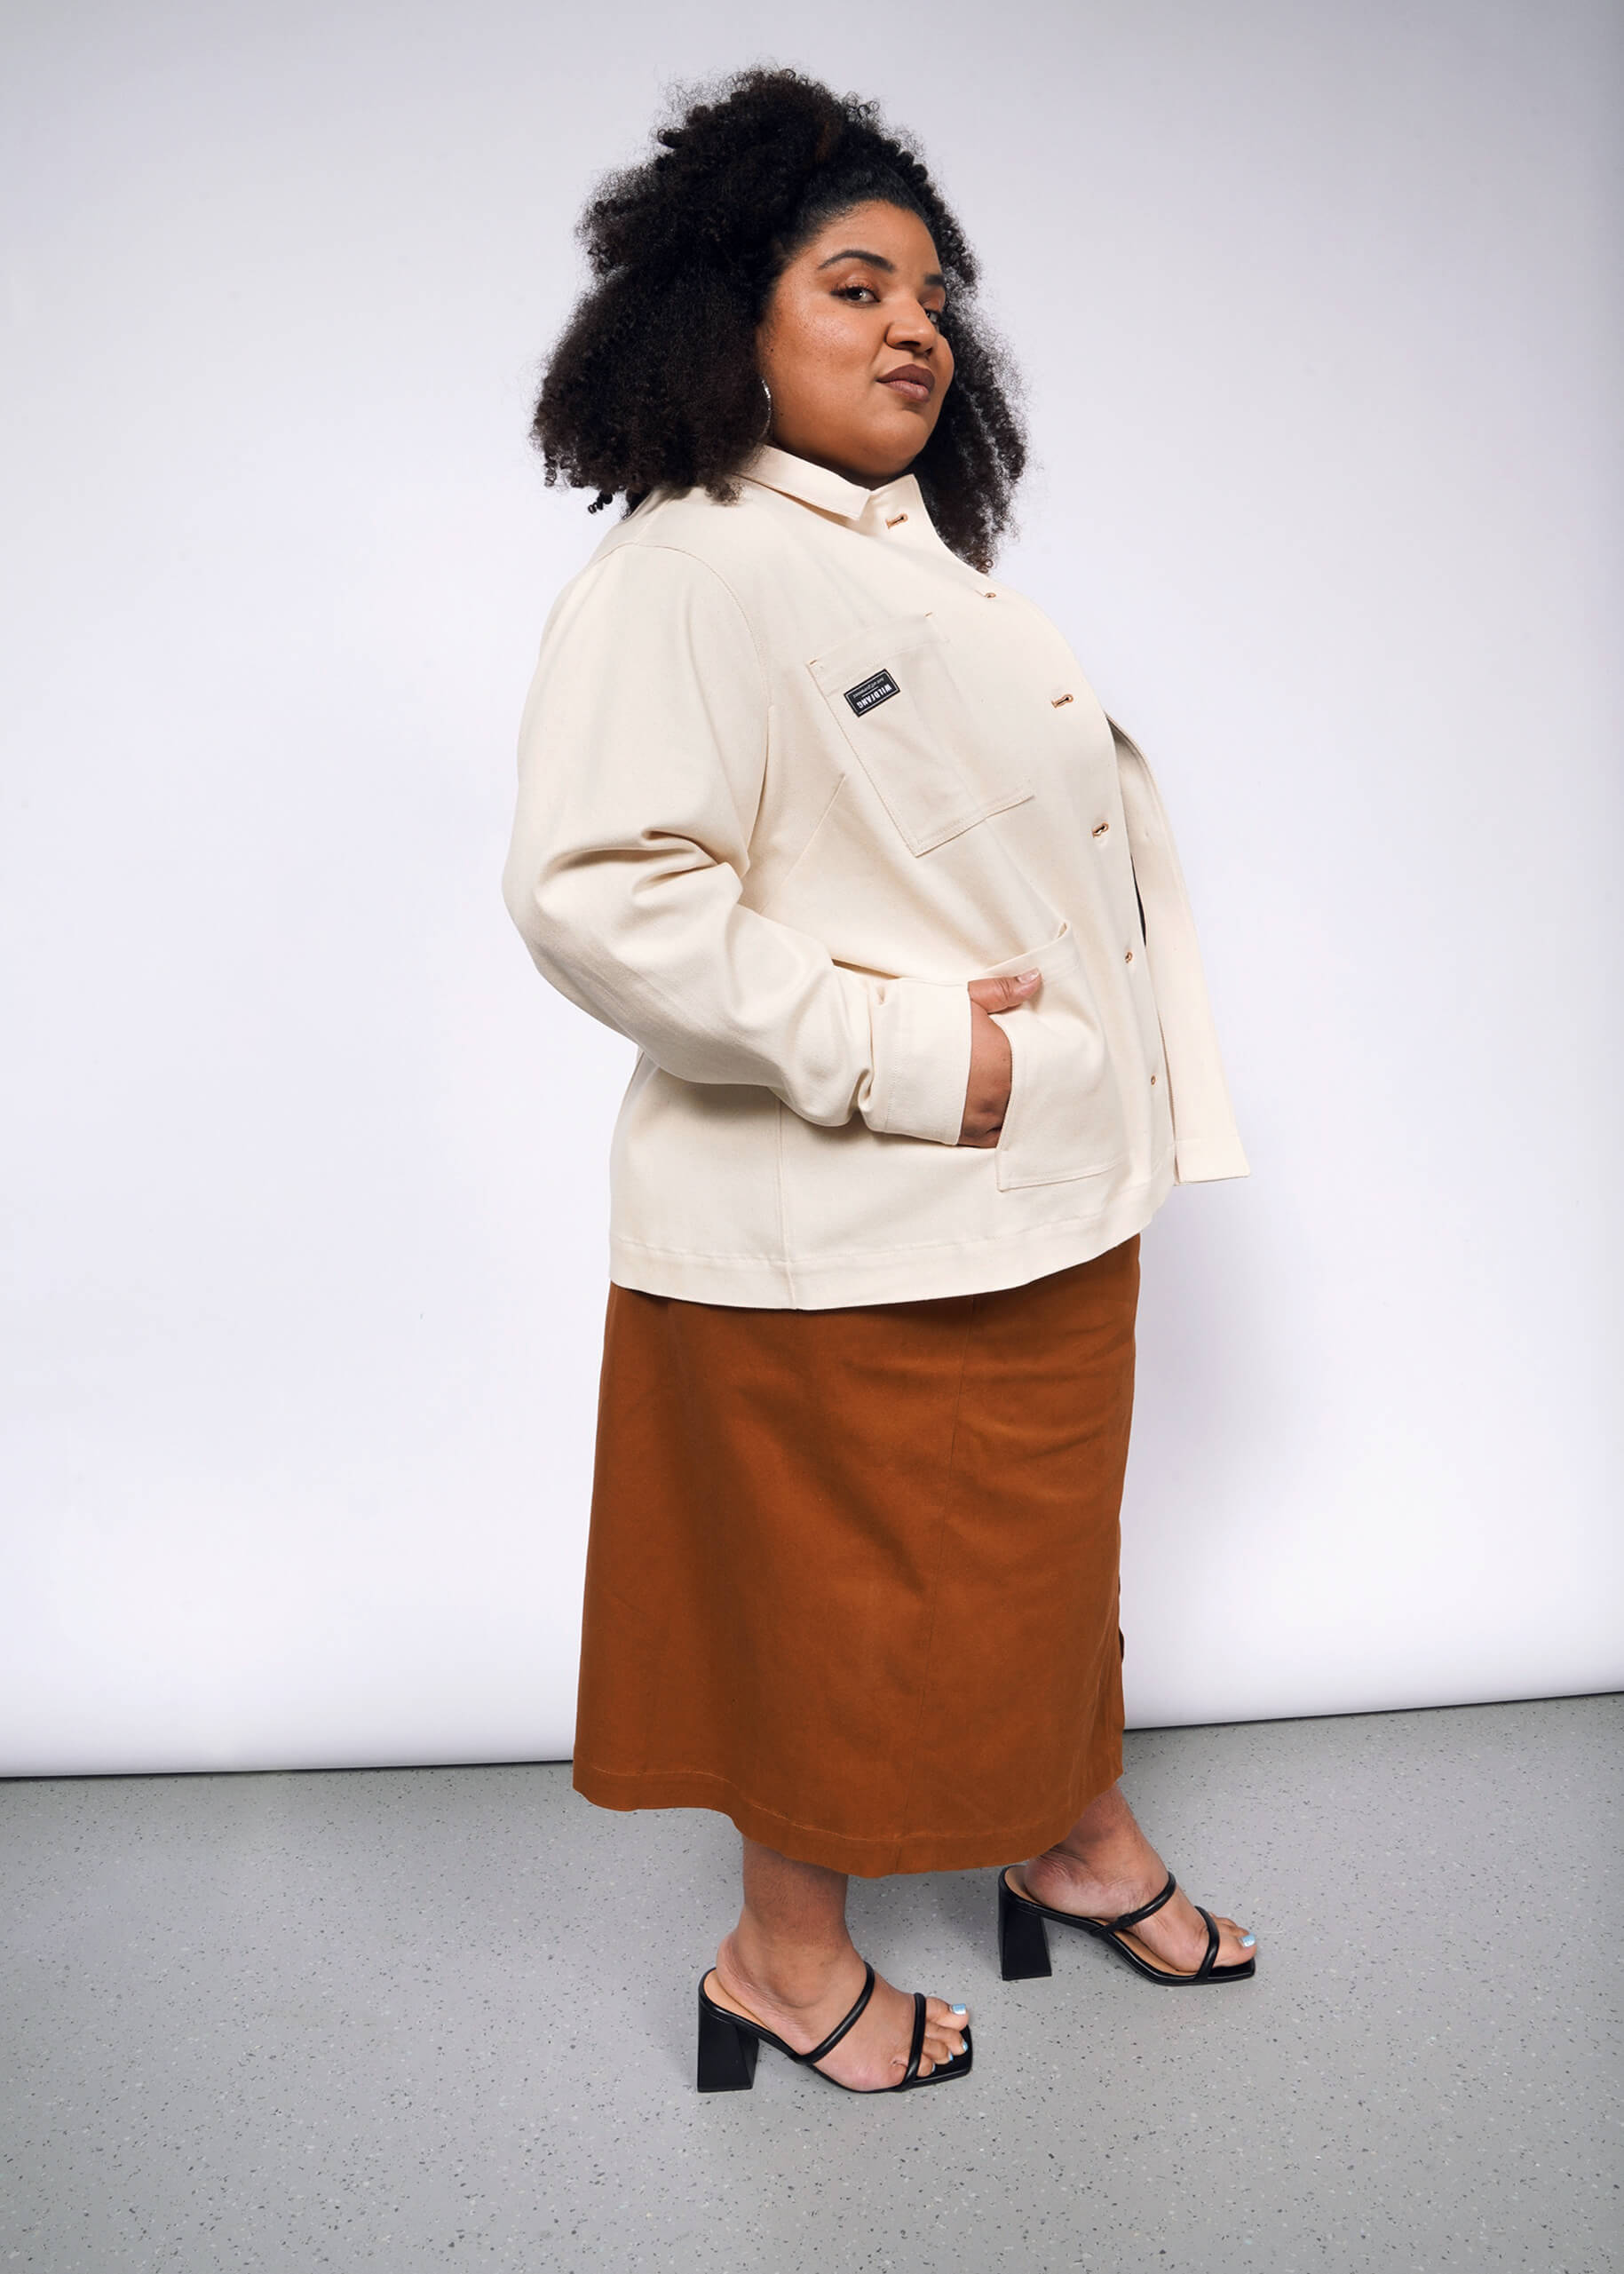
{"x": 1208, "y": 1161}
{"x": 920, "y": 1033}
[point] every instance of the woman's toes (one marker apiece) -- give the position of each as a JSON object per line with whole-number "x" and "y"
{"x": 1237, "y": 1943}
{"x": 945, "y": 2027}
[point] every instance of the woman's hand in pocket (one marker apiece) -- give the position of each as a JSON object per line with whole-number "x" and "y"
{"x": 986, "y": 1094}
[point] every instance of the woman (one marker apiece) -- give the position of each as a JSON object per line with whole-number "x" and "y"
{"x": 827, "y": 821}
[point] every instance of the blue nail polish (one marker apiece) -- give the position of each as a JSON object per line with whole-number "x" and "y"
{"x": 960, "y": 2009}
{"x": 1247, "y": 1941}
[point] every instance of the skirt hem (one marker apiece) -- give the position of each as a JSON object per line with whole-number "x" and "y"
{"x": 868, "y": 1857}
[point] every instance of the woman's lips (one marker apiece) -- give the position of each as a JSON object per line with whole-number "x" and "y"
{"x": 912, "y": 382}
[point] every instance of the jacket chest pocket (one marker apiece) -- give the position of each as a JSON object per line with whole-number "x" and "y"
{"x": 915, "y": 732}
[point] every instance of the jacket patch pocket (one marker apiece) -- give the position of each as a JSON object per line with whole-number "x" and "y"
{"x": 1064, "y": 1115}
{"x": 916, "y": 735}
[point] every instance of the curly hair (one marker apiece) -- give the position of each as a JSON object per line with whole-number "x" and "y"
{"x": 684, "y": 249}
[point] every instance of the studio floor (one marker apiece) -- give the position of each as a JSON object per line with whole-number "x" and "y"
{"x": 443, "y": 2017}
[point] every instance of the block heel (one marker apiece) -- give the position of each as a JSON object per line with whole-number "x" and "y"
{"x": 726, "y": 2053}
{"x": 1022, "y": 1940}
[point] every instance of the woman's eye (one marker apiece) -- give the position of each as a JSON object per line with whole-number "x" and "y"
{"x": 867, "y": 292}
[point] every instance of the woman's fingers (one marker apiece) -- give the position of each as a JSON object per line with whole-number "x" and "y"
{"x": 1003, "y": 993}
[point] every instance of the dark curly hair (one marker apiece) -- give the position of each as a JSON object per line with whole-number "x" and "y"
{"x": 684, "y": 249}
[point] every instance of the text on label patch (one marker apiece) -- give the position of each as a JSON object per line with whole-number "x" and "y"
{"x": 868, "y": 692}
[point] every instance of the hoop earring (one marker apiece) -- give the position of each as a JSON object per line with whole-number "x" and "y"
{"x": 768, "y": 428}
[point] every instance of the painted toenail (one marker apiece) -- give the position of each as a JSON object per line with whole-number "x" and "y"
{"x": 960, "y": 2009}
{"x": 1247, "y": 1941}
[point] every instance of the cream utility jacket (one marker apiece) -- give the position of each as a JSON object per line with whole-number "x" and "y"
{"x": 791, "y": 775}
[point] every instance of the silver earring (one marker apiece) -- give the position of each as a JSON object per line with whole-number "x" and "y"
{"x": 768, "y": 428}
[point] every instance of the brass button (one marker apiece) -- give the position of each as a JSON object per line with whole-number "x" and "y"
{"x": 1153, "y": 1081}
{"x": 1101, "y": 829}
{"x": 989, "y": 594}
{"x": 1057, "y": 702}
{"x": 1128, "y": 958}
{"x": 896, "y": 519}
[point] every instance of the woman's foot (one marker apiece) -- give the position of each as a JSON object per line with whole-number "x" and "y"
{"x": 800, "y": 1996}
{"x": 789, "y": 1964}
{"x": 1105, "y": 1865}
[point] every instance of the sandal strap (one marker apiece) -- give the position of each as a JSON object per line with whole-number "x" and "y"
{"x": 917, "y": 2043}
{"x": 1132, "y": 1918}
{"x": 1205, "y": 1968}
{"x": 841, "y": 2027}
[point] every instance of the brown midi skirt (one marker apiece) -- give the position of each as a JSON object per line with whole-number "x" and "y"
{"x": 852, "y": 1576}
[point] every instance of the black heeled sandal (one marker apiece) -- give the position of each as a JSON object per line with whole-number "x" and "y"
{"x": 1023, "y": 1942}
{"x": 728, "y": 2045}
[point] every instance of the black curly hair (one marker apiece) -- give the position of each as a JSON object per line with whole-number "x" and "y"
{"x": 684, "y": 249}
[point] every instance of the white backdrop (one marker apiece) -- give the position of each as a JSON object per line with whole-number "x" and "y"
{"x": 303, "y": 1165}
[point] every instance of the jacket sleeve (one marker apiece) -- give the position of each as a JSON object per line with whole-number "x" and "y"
{"x": 642, "y": 756}
{"x": 1207, "y": 1144}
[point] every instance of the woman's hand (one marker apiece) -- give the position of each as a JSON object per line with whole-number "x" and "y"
{"x": 987, "y": 1092}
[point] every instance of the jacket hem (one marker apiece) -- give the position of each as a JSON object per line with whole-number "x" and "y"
{"x": 908, "y": 1274}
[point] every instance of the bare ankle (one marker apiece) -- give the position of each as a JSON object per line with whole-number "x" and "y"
{"x": 791, "y": 1972}
{"x": 1106, "y": 1820}
{"x": 1055, "y": 1864}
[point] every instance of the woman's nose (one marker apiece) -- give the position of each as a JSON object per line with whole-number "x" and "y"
{"x": 912, "y": 328}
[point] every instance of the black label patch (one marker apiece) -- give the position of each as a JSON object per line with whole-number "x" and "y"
{"x": 871, "y": 692}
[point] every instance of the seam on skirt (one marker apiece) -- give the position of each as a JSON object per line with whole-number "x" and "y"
{"x": 949, "y": 1485}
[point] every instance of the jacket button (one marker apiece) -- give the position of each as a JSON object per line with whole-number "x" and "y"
{"x": 1103, "y": 826}
{"x": 1128, "y": 958}
{"x": 1153, "y": 1081}
{"x": 989, "y": 594}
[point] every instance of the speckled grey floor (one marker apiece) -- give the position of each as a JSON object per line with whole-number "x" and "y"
{"x": 439, "y": 2018}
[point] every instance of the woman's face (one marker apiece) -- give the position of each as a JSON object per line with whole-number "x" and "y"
{"x": 850, "y": 347}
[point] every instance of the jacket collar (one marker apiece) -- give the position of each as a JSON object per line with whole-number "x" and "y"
{"x": 831, "y": 493}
